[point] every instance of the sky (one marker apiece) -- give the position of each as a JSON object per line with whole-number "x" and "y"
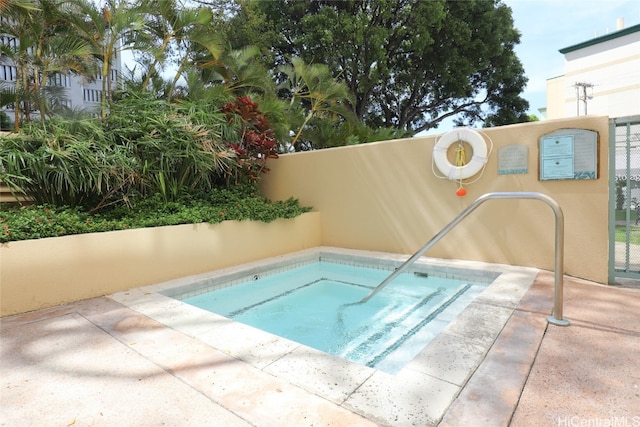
{"x": 547, "y": 26}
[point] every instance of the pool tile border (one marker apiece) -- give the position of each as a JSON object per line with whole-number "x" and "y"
{"x": 203, "y": 283}
{"x": 418, "y": 395}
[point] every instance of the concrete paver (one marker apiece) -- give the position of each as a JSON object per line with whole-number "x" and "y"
{"x": 589, "y": 372}
{"x": 493, "y": 391}
{"x": 64, "y": 370}
{"x": 586, "y": 374}
{"x": 97, "y": 362}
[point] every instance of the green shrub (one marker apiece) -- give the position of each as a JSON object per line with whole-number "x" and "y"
{"x": 5, "y": 121}
{"x": 144, "y": 147}
{"x": 70, "y": 163}
{"x": 178, "y": 149}
{"x": 239, "y": 203}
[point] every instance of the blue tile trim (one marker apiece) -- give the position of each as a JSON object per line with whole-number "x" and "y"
{"x": 289, "y": 292}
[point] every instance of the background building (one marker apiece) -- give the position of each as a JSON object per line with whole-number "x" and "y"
{"x": 78, "y": 93}
{"x": 602, "y": 76}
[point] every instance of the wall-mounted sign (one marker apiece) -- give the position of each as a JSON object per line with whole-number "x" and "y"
{"x": 556, "y": 157}
{"x": 569, "y": 154}
{"x": 513, "y": 159}
{"x": 558, "y": 168}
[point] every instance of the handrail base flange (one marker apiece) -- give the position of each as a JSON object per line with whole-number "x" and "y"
{"x": 558, "y": 322}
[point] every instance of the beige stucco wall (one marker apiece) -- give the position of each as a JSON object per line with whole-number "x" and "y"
{"x": 46, "y": 272}
{"x": 384, "y": 196}
{"x": 556, "y": 98}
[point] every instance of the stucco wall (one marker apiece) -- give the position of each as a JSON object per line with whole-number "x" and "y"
{"x": 384, "y": 196}
{"x": 46, "y": 272}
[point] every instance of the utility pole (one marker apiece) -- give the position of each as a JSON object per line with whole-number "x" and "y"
{"x": 582, "y": 96}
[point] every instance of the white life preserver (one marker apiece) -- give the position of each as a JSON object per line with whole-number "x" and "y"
{"x": 475, "y": 165}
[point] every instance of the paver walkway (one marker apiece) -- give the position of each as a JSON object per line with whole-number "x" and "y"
{"x": 80, "y": 365}
{"x": 586, "y": 374}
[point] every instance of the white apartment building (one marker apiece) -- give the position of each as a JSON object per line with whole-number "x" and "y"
{"x": 602, "y": 76}
{"x": 79, "y": 92}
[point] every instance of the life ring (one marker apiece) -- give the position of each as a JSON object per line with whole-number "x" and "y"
{"x": 475, "y": 165}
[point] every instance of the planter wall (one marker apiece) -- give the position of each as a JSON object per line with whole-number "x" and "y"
{"x": 46, "y": 272}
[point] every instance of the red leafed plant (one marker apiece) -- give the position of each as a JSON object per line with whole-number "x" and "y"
{"x": 256, "y": 142}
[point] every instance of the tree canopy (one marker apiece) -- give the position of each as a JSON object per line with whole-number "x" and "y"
{"x": 409, "y": 64}
{"x": 326, "y": 73}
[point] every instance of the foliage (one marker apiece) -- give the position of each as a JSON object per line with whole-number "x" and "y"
{"x": 238, "y": 203}
{"x": 621, "y": 185}
{"x": 312, "y": 87}
{"x": 115, "y": 26}
{"x": 178, "y": 147}
{"x": 144, "y": 147}
{"x": 47, "y": 46}
{"x": 7, "y": 6}
{"x": 66, "y": 163}
{"x": 256, "y": 143}
{"x": 409, "y": 64}
{"x": 308, "y": 109}
{"x": 306, "y": 97}
{"x": 177, "y": 33}
{"x": 5, "y": 121}
{"x": 621, "y": 214}
{"x": 237, "y": 73}
{"x": 634, "y": 235}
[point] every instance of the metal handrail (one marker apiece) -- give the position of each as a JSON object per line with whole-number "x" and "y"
{"x": 556, "y": 318}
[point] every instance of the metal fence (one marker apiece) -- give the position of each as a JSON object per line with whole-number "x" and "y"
{"x": 624, "y": 179}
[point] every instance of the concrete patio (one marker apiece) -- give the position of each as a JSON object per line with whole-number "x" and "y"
{"x": 97, "y": 362}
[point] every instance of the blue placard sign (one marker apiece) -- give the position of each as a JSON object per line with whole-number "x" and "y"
{"x": 556, "y": 157}
{"x": 557, "y": 168}
{"x": 569, "y": 154}
{"x": 557, "y": 146}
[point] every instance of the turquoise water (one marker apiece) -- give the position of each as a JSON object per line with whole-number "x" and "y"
{"x": 313, "y": 305}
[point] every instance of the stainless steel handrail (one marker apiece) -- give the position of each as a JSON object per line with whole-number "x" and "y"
{"x": 556, "y": 317}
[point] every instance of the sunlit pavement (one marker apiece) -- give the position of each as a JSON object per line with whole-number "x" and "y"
{"x": 97, "y": 362}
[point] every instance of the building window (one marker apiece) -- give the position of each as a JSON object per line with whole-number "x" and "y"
{"x": 9, "y": 41}
{"x": 92, "y": 95}
{"x": 8, "y": 73}
{"x": 61, "y": 80}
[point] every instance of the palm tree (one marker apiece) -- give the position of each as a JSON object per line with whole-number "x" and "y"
{"x": 180, "y": 32}
{"x": 46, "y": 45}
{"x": 238, "y": 72}
{"x": 19, "y": 26}
{"x": 109, "y": 30}
{"x": 7, "y": 7}
{"x": 59, "y": 50}
{"x": 313, "y": 88}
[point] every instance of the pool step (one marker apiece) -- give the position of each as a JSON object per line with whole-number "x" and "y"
{"x": 354, "y": 338}
{"x": 373, "y": 343}
{"x": 395, "y": 343}
{"x": 382, "y": 343}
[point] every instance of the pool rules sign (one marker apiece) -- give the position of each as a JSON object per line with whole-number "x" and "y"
{"x": 569, "y": 154}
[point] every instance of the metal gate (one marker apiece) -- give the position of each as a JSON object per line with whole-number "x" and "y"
{"x": 624, "y": 198}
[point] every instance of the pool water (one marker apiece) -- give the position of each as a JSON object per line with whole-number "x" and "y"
{"x": 315, "y": 304}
